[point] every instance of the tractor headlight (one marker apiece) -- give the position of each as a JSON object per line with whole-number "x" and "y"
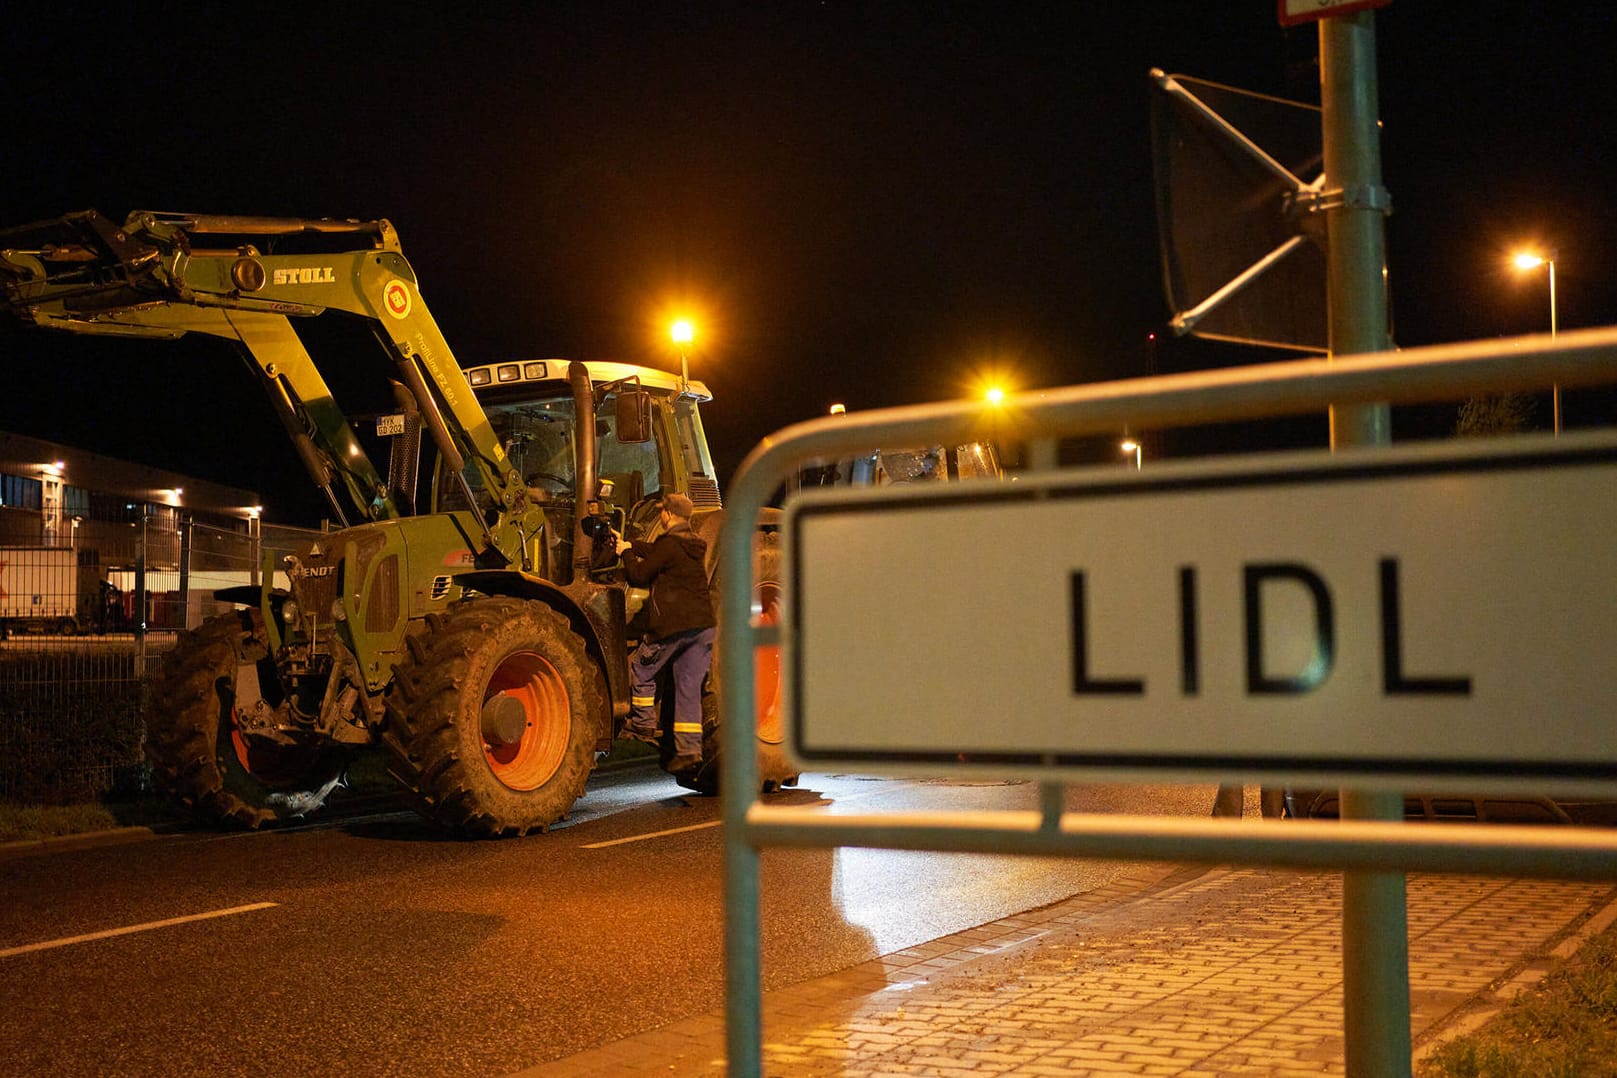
{"x": 339, "y": 612}
{"x": 291, "y": 613}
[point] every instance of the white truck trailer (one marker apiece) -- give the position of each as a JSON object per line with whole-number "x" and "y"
{"x": 43, "y": 589}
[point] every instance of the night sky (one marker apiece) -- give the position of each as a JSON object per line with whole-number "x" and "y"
{"x": 868, "y": 203}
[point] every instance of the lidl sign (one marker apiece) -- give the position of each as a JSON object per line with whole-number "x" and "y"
{"x": 1442, "y": 614}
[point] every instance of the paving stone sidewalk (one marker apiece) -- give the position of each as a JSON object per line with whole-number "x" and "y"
{"x": 1163, "y": 972}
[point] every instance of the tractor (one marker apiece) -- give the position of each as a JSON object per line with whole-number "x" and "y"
{"x": 466, "y": 611}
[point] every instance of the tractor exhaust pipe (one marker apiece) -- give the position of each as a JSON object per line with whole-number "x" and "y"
{"x": 584, "y": 481}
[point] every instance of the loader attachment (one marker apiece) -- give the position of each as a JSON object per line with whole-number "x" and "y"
{"x": 77, "y": 265}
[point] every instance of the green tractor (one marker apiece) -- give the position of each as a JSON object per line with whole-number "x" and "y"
{"x": 473, "y": 621}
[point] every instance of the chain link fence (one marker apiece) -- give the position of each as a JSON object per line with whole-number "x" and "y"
{"x": 87, "y": 612}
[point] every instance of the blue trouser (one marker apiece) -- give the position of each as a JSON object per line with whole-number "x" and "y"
{"x": 690, "y": 653}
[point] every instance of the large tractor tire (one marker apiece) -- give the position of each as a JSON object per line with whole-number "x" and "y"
{"x": 493, "y": 716}
{"x": 196, "y": 750}
{"x": 774, "y": 769}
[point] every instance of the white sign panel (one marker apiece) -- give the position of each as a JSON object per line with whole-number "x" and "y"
{"x": 1438, "y": 613}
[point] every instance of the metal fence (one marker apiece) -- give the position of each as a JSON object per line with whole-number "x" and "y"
{"x": 1372, "y": 853}
{"x": 87, "y": 613}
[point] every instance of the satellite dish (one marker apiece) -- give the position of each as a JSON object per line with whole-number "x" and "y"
{"x": 1238, "y": 176}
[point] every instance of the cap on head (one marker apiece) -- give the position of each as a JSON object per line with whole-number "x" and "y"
{"x": 679, "y": 505}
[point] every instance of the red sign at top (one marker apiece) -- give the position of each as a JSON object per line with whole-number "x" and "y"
{"x": 1294, "y": 12}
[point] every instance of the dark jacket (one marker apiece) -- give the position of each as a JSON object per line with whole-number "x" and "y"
{"x": 672, "y": 566}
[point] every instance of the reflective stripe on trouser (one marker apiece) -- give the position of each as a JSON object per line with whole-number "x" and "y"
{"x": 690, "y": 654}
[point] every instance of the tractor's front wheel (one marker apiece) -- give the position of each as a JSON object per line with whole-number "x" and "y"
{"x": 195, "y": 746}
{"x": 493, "y": 717}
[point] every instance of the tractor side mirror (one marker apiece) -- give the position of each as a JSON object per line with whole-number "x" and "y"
{"x": 633, "y": 415}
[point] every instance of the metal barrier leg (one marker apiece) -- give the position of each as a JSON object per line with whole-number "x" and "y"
{"x": 1375, "y": 955}
{"x": 1052, "y": 803}
{"x": 743, "y": 1027}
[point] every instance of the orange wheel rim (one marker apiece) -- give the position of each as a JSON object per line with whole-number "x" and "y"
{"x": 529, "y": 762}
{"x": 239, "y": 743}
{"x": 766, "y": 666}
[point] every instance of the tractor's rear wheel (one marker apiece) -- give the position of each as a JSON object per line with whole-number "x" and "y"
{"x": 774, "y": 769}
{"x": 195, "y": 746}
{"x": 493, "y": 717}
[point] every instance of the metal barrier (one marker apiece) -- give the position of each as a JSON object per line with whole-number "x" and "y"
{"x": 1436, "y": 373}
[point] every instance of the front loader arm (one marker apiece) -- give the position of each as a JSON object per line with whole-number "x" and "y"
{"x": 377, "y": 284}
{"x": 83, "y": 274}
{"x": 165, "y": 275}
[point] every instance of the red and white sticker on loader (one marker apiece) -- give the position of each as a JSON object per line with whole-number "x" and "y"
{"x": 396, "y": 298}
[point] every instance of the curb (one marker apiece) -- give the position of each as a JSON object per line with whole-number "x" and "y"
{"x": 112, "y": 836}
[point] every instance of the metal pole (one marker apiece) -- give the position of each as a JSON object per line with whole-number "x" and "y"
{"x": 1375, "y": 924}
{"x": 255, "y": 538}
{"x": 185, "y": 525}
{"x": 1357, "y": 253}
{"x": 139, "y": 611}
{"x": 738, "y": 788}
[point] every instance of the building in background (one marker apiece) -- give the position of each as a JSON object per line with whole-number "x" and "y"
{"x": 82, "y": 534}
{"x": 102, "y": 563}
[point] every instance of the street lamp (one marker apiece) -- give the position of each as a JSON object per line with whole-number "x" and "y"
{"x": 1130, "y": 445}
{"x": 682, "y": 333}
{"x": 1531, "y": 260}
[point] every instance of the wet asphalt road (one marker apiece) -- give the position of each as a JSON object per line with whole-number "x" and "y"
{"x": 376, "y": 946}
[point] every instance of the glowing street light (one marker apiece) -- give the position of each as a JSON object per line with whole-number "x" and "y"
{"x": 1131, "y": 445}
{"x": 994, "y": 395}
{"x": 1531, "y": 260}
{"x": 682, "y": 333}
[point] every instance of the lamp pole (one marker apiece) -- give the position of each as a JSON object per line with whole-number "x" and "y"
{"x": 683, "y": 333}
{"x": 1132, "y": 445}
{"x": 1529, "y": 260}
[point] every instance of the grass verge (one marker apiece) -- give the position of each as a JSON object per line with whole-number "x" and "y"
{"x": 1564, "y": 1027}
{"x": 23, "y": 822}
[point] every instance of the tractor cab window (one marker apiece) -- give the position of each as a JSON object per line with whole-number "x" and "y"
{"x": 538, "y": 439}
{"x": 914, "y": 465}
{"x": 977, "y": 460}
{"x": 692, "y": 442}
{"x": 633, "y": 468}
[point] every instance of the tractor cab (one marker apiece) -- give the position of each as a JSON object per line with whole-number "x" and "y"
{"x": 647, "y": 439}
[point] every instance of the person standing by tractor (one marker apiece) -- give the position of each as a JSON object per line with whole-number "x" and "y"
{"x": 679, "y": 633}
